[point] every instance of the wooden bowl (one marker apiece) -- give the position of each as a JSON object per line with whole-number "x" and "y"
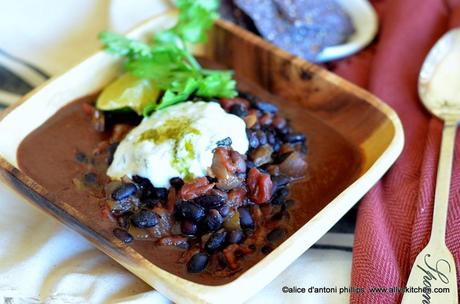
{"x": 367, "y": 124}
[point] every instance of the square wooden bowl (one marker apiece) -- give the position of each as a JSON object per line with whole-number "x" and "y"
{"x": 366, "y": 123}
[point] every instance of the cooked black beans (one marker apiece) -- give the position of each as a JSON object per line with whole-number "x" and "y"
{"x": 271, "y": 137}
{"x": 190, "y": 210}
{"x": 224, "y": 210}
{"x": 262, "y": 137}
{"x": 252, "y": 139}
{"x": 266, "y": 249}
{"x": 144, "y": 185}
{"x": 123, "y": 235}
{"x": 81, "y": 157}
{"x": 188, "y": 227}
{"x": 239, "y": 110}
{"x": 246, "y": 220}
{"x": 210, "y": 201}
{"x": 144, "y": 219}
{"x": 160, "y": 193}
{"x": 294, "y": 138}
{"x": 275, "y": 235}
{"x": 235, "y": 236}
{"x": 226, "y": 142}
{"x": 121, "y": 206}
{"x": 124, "y": 191}
{"x": 176, "y": 182}
{"x": 280, "y": 195}
{"x": 215, "y": 242}
{"x": 90, "y": 178}
{"x": 266, "y": 107}
{"x": 213, "y": 220}
{"x": 198, "y": 262}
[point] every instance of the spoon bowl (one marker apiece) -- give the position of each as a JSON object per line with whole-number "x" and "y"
{"x": 439, "y": 81}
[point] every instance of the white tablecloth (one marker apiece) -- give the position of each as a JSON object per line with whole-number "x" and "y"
{"x": 43, "y": 261}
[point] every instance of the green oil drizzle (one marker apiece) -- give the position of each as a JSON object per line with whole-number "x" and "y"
{"x": 175, "y": 129}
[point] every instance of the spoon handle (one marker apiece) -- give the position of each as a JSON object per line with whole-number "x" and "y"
{"x": 441, "y": 198}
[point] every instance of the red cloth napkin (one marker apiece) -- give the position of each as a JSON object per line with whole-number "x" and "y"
{"x": 394, "y": 219}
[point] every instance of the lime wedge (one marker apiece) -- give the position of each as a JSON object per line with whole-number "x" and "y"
{"x": 128, "y": 91}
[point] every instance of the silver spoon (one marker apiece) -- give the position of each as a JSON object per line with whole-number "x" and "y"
{"x": 439, "y": 90}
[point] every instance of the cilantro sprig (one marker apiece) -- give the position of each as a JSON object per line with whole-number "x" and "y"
{"x": 168, "y": 61}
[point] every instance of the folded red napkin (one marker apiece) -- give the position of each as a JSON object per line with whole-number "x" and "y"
{"x": 394, "y": 219}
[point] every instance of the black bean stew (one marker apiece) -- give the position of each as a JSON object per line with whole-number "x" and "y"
{"x": 211, "y": 229}
{"x": 215, "y": 219}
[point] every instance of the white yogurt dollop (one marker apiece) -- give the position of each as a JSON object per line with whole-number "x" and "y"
{"x": 177, "y": 141}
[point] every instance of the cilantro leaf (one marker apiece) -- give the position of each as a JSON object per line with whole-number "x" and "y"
{"x": 122, "y": 46}
{"x": 219, "y": 84}
{"x": 168, "y": 61}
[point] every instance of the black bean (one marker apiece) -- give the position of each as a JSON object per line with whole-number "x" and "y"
{"x": 213, "y": 220}
{"x": 211, "y": 179}
{"x": 190, "y": 210}
{"x": 90, "y": 178}
{"x": 294, "y": 138}
{"x": 277, "y": 145}
{"x": 123, "y": 235}
{"x": 280, "y": 180}
{"x": 215, "y": 242}
{"x": 224, "y": 210}
{"x": 262, "y": 137}
{"x": 275, "y": 235}
{"x": 188, "y": 227}
{"x": 280, "y": 195}
{"x": 176, "y": 182}
{"x": 226, "y": 142}
{"x": 252, "y": 139}
{"x": 271, "y": 137}
{"x": 124, "y": 191}
{"x": 81, "y": 157}
{"x": 144, "y": 185}
{"x": 211, "y": 201}
{"x": 266, "y": 107}
{"x": 144, "y": 219}
{"x": 266, "y": 249}
{"x": 235, "y": 236}
{"x": 246, "y": 220}
{"x": 198, "y": 263}
{"x": 160, "y": 193}
{"x": 121, "y": 206}
{"x": 239, "y": 110}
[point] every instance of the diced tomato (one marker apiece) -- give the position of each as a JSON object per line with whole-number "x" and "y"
{"x": 195, "y": 188}
{"x": 260, "y": 186}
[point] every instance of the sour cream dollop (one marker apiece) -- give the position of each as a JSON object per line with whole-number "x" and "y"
{"x": 177, "y": 141}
